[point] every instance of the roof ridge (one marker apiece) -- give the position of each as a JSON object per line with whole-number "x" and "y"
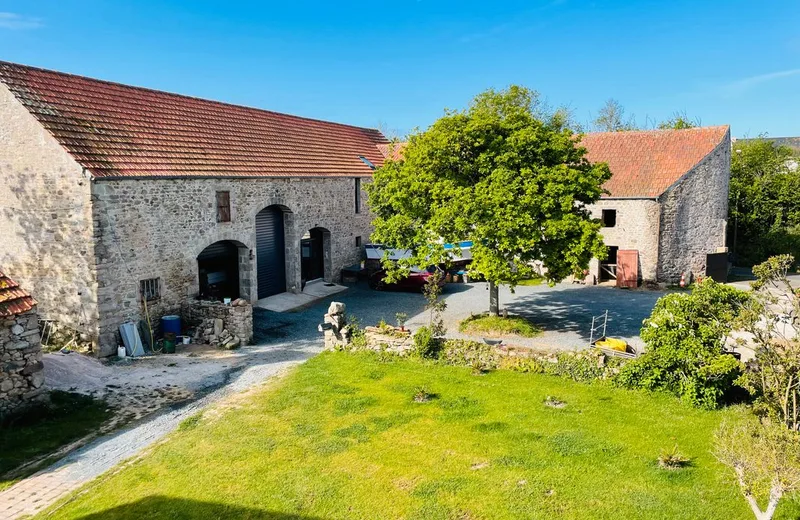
{"x": 659, "y": 130}
{"x": 182, "y": 96}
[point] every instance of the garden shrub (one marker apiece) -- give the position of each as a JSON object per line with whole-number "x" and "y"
{"x": 685, "y": 337}
{"x": 426, "y": 345}
{"x": 472, "y": 354}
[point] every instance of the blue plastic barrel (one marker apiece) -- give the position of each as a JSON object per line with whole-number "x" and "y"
{"x": 171, "y": 324}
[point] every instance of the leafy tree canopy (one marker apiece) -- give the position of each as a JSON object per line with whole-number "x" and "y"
{"x": 764, "y": 203}
{"x": 678, "y": 121}
{"x": 502, "y": 174}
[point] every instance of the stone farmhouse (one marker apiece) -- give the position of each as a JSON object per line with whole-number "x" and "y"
{"x": 113, "y": 198}
{"x": 666, "y": 207}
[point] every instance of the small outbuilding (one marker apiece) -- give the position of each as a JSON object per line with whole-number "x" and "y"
{"x": 665, "y": 212}
{"x": 21, "y": 368}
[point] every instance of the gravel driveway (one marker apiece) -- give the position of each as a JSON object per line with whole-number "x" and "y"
{"x": 564, "y": 311}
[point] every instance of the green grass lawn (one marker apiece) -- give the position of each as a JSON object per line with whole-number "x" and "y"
{"x": 342, "y": 438}
{"x": 39, "y": 431}
{"x": 497, "y": 326}
{"x": 531, "y": 281}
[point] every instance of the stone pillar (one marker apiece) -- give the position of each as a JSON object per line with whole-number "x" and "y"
{"x": 21, "y": 375}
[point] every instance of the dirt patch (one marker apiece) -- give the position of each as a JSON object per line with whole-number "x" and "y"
{"x": 138, "y": 387}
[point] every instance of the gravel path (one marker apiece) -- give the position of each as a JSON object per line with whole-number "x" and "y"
{"x": 286, "y": 339}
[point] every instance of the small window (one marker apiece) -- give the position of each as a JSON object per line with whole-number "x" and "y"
{"x": 223, "y": 206}
{"x": 150, "y": 289}
{"x": 609, "y": 217}
{"x": 358, "y": 241}
{"x": 358, "y": 194}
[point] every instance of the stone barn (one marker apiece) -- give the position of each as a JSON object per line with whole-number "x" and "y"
{"x": 115, "y": 198}
{"x": 665, "y": 211}
{"x": 21, "y": 368}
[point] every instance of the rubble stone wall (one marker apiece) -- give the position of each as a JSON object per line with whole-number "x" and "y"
{"x": 238, "y": 320}
{"x": 694, "y": 213}
{"x": 21, "y": 369}
{"x": 156, "y": 228}
{"x": 46, "y": 219}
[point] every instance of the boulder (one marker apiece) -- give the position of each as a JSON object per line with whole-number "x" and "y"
{"x": 337, "y": 308}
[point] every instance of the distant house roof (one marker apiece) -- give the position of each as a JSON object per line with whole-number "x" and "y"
{"x": 646, "y": 163}
{"x": 115, "y": 131}
{"x": 13, "y": 299}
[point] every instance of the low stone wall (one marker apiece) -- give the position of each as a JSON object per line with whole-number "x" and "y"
{"x": 236, "y": 319}
{"x": 21, "y": 375}
{"x": 400, "y": 342}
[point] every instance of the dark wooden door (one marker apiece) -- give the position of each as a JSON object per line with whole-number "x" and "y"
{"x": 627, "y": 268}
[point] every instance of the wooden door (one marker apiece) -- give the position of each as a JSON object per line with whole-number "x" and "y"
{"x": 627, "y": 268}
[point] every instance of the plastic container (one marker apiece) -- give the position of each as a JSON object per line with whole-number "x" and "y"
{"x": 169, "y": 343}
{"x": 171, "y": 324}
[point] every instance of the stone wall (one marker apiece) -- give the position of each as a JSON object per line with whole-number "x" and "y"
{"x": 694, "y": 214}
{"x": 236, "y": 319}
{"x": 636, "y": 228}
{"x": 21, "y": 375}
{"x": 157, "y": 228}
{"x": 46, "y": 219}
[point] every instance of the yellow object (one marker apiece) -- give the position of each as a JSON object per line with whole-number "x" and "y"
{"x": 613, "y": 344}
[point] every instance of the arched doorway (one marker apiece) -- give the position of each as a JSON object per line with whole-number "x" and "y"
{"x": 314, "y": 255}
{"x": 270, "y": 251}
{"x": 218, "y": 269}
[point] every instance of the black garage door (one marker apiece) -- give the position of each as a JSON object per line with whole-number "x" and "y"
{"x": 270, "y": 250}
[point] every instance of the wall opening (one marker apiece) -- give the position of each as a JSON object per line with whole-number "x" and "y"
{"x": 315, "y": 255}
{"x": 608, "y": 267}
{"x": 218, "y": 268}
{"x": 609, "y": 217}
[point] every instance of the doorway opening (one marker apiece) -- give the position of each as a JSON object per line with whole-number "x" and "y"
{"x": 314, "y": 255}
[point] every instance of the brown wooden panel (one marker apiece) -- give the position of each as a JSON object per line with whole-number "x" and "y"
{"x": 627, "y": 268}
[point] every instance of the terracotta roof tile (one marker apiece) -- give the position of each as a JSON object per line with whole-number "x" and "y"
{"x": 646, "y": 163}
{"x": 116, "y": 130}
{"x": 13, "y": 298}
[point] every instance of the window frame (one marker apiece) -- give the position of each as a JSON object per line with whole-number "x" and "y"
{"x": 357, "y": 194}
{"x": 150, "y": 289}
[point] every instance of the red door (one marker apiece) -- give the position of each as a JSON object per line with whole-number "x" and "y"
{"x": 627, "y": 268}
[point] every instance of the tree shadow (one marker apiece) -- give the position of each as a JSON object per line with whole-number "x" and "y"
{"x": 571, "y": 309}
{"x": 364, "y": 304}
{"x": 161, "y": 507}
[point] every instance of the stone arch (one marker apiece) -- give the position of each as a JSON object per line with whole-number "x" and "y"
{"x": 239, "y": 262}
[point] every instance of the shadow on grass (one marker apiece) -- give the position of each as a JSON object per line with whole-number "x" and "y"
{"x": 158, "y": 507}
{"x": 33, "y": 434}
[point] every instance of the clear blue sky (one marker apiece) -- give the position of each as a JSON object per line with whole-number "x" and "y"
{"x": 400, "y": 63}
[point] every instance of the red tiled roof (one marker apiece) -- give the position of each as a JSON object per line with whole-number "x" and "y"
{"x": 13, "y": 298}
{"x": 116, "y": 130}
{"x": 646, "y": 163}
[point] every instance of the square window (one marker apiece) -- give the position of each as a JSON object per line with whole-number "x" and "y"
{"x": 223, "y": 206}
{"x": 150, "y": 289}
{"x": 358, "y": 241}
{"x": 609, "y": 217}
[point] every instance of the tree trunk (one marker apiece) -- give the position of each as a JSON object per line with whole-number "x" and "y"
{"x": 494, "y": 299}
{"x": 775, "y": 494}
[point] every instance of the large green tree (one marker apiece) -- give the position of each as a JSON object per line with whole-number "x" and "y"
{"x": 502, "y": 174}
{"x": 764, "y": 204}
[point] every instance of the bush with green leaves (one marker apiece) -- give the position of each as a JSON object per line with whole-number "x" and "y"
{"x": 426, "y": 345}
{"x": 686, "y": 354}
